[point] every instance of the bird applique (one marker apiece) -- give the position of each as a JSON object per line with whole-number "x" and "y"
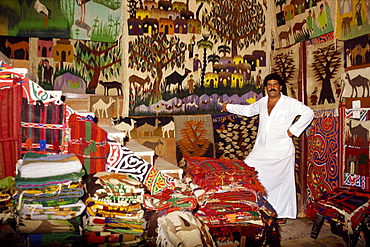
{"x": 252, "y": 100}
{"x": 44, "y": 11}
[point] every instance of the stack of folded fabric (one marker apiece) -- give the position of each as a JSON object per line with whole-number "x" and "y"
{"x": 113, "y": 209}
{"x": 230, "y": 199}
{"x": 173, "y": 221}
{"x": 48, "y": 193}
{"x": 8, "y": 234}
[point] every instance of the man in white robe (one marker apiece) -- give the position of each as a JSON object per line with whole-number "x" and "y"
{"x": 273, "y": 154}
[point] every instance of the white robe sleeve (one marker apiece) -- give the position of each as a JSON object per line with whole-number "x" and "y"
{"x": 306, "y": 116}
{"x": 244, "y": 110}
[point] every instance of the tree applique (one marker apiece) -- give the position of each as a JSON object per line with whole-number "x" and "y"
{"x": 193, "y": 141}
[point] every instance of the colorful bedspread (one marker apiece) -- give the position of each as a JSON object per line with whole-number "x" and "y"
{"x": 348, "y": 205}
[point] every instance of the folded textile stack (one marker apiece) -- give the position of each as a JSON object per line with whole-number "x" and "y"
{"x": 230, "y": 197}
{"x": 48, "y": 193}
{"x": 113, "y": 209}
{"x": 7, "y": 220}
{"x": 173, "y": 221}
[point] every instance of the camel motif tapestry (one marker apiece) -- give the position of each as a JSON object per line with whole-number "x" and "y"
{"x": 352, "y": 19}
{"x": 156, "y": 133}
{"x": 97, "y": 20}
{"x": 234, "y": 135}
{"x": 194, "y": 136}
{"x": 356, "y": 153}
{"x": 324, "y": 70}
{"x": 104, "y": 106}
{"x": 357, "y": 52}
{"x": 356, "y": 83}
{"x": 302, "y": 20}
{"x": 324, "y": 153}
{"x": 193, "y": 59}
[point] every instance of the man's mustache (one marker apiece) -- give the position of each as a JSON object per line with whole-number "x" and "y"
{"x": 272, "y": 89}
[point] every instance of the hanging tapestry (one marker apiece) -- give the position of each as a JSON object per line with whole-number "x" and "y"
{"x": 10, "y": 129}
{"x": 194, "y": 136}
{"x": 299, "y": 20}
{"x": 89, "y": 143}
{"x": 77, "y": 66}
{"x": 324, "y": 153}
{"x": 356, "y": 83}
{"x": 234, "y": 135}
{"x": 123, "y": 160}
{"x": 43, "y": 127}
{"x": 356, "y": 167}
{"x": 356, "y": 52}
{"x": 104, "y": 106}
{"x": 356, "y": 148}
{"x": 15, "y": 47}
{"x": 352, "y": 19}
{"x": 324, "y": 68}
{"x": 97, "y": 20}
{"x": 285, "y": 62}
{"x": 186, "y": 56}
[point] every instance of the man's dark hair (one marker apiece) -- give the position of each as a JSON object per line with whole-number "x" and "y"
{"x": 273, "y": 76}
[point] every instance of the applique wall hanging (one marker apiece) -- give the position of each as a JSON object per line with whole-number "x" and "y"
{"x": 324, "y": 153}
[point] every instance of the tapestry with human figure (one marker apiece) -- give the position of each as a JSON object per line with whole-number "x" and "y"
{"x": 324, "y": 153}
{"x": 303, "y": 20}
{"x": 352, "y": 19}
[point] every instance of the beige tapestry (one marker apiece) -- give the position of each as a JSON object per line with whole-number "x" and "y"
{"x": 356, "y": 83}
{"x": 104, "y": 106}
{"x": 324, "y": 68}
